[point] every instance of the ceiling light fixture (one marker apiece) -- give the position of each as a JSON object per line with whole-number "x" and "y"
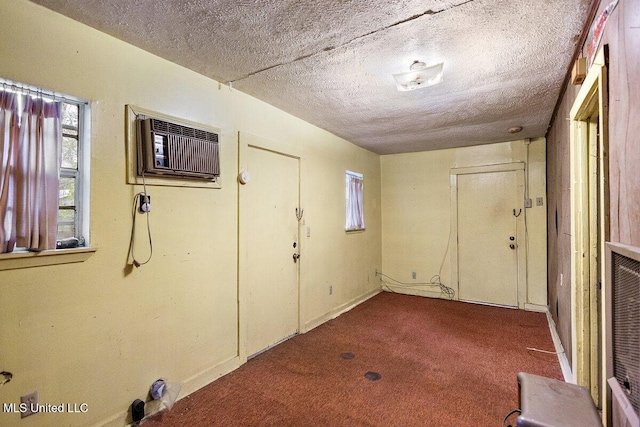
{"x": 515, "y": 129}
{"x": 419, "y": 76}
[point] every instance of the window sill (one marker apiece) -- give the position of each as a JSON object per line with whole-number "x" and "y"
{"x": 355, "y": 230}
{"x": 16, "y": 260}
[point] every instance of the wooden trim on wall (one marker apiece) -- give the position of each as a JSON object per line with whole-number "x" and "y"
{"x": 587, "y": 343}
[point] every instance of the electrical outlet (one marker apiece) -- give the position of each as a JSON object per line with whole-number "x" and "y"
{"x": 539, "y": 201}
{"x": 413, "y": 275}
{"x": 527, "y": 203}
{"x": 29, "y": 404}
{"x": 330, "y": 290}
{"x": 145, "y": 203}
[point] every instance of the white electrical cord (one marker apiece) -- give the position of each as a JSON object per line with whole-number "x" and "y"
{"x": 434, "y": 281}
{"x": 544, "y": 351}
{"x": 136, "y": 199}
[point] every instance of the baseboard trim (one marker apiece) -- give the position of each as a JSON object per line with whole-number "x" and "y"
{"x": 562, "y": 356}
{"x": 536, "y": 307}
{"x": 313, "y": 323}
{"x": 206, "y": 377}
{"x": 190, "y": 385}
{"x": 406, "y": 290}
{"x": 198, "y": 381}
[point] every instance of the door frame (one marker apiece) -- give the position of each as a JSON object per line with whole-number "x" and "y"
{"x": 245, "y": 142}
{"x": 519, "y": 168}
{"x": 587, "y": 339}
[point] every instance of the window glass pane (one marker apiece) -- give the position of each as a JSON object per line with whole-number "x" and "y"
{"x": 66, "y": 215}
{"x": 70, "y": 115}
{"x": 65, "y": 231}
{"x": 66, "y": 223}
{"x": 67, "y": 191}
{"x": 69, "y": 153}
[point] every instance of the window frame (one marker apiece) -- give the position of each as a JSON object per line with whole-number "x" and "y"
{"x": 22, "y": 258}
{"x": 359, "y": 176}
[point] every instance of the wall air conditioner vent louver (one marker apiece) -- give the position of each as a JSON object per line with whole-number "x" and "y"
{"x": 174, "y": 150}
{"x": 622, "y": 321}
{"x": 626, "y": 327}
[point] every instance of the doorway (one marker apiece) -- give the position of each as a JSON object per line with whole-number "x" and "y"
{"x": 590, "y": 226}
{"x": 269, "y": 246}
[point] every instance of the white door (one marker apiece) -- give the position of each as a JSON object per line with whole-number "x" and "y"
{"x": 487, "y": 237}
{"x": 272, "y": 229}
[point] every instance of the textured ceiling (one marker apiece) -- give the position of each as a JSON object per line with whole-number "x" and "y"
{"x": 330, "y": 62}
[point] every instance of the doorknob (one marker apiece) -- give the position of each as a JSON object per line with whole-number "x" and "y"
{"x": 512, "y": 246}
{"x": 512, "y": 238}
{"x": 295, "y": 257}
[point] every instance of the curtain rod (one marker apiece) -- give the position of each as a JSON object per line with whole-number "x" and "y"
{"x": 36, "y": 91}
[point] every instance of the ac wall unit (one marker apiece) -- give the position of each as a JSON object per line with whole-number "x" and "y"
{"x": 174, "y": 150}
{"x": 623, "y": 334}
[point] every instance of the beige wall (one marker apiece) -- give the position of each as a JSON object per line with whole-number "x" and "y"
{"x": 416, "y": 212}
{"x": 94, "y": 332}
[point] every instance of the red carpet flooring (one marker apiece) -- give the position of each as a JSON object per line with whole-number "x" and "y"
{"x": 441, "y": 363}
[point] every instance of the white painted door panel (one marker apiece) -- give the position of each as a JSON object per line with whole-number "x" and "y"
{"x": 272, "y": 227}
{"x": 487, "y": 265}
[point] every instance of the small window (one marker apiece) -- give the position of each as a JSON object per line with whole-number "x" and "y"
{"x": 44, "y": 134}
{"x": 69, "y": 202}
{"x": 355, "y": 205}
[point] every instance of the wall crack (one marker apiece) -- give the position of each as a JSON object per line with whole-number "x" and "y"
{"x": 429, "y": 12}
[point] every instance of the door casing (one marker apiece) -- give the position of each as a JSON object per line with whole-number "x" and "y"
{"x": 589, "y": 170}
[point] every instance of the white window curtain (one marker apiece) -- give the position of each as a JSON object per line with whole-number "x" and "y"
{"x": 9, "y": 131}
{"x": 29, "y": 151}
{"x": 355, "y": 205}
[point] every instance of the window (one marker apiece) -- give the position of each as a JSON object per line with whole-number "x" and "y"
{"x": 43, "y": 157}
{"x": 69, "y": 200}
{"x": 355, "y": 205}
